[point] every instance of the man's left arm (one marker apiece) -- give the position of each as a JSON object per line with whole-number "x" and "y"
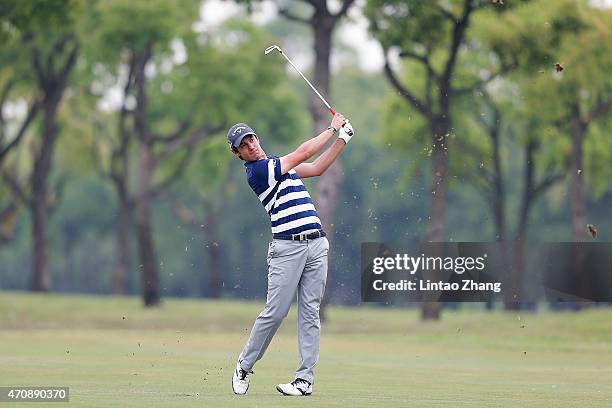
{"x": 322, "y": 163}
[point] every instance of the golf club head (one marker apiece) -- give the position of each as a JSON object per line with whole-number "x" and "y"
{"x": 272, "y": 48}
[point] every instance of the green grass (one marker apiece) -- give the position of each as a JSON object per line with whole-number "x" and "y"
{"x": 112, "y": 352}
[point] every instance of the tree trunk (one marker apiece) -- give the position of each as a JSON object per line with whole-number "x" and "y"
{"x": 41, "y": 280}
{"x": 52, "y": 85}
{"x": 120, "y": 273}
{"x": 440, "y": 128}
{"x": 499, "y": 209}
{"x": 149, "y": 272}
{"x": 329, "y": 182}
{"x": 119, "y": 174}
{"x": 577, "y": 194}
{"x": 439, "y": 185}
{"x": 70, "y": 236}
{"x": 328, "y": 185}
{"x": 578, "y": 205}
{"x": 8, "y": 219}
{"x": 214, "y": 281}
{"x": 148, "y": 262}
{"x": 514, "y": 278}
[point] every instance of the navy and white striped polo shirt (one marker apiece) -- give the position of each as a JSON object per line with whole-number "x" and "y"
{"x": 283, "y": 196}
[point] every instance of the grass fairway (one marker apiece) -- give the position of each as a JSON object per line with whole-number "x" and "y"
{"x": 113, "y": 353}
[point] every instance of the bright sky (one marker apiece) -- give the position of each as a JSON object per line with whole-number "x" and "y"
{"x": 354, "y": 33}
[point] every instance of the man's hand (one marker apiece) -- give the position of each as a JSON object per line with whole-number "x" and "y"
{"x": 346, "y": 132}
{"x": 337, "y": 121}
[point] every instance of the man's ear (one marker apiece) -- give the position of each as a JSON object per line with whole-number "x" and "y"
{"x": 235, "y": 151}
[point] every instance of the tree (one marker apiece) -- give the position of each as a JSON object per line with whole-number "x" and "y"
{"x": 145, "y": 42}
{"x": 51, "y": 46}
{"x": 556, "y": 101}
{"x": 265, "y": 102}
{"x": 433, "y": 38}
{"x": 579, "y": 95}
{"x": 176, "y": 104}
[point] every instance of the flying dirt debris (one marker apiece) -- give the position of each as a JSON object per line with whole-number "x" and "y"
{"x": 592, "y": 230}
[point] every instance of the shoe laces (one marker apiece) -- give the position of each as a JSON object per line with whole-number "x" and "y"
{"x": 242, "y": 374}
{"x": 300, "y": 381}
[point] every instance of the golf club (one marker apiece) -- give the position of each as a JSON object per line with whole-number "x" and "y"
{"x": 277, "y": 48}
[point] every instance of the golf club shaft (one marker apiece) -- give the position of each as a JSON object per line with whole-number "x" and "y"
{"x": 333, "y": 112}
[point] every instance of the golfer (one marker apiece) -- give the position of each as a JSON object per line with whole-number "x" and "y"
{"x": 297, "y": 255}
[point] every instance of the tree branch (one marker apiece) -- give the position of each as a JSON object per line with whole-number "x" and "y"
{"x": 180, "y": 168}
{"x": 481, "y": 84}
{"x": 71, "y": 60}
{"x": 124, "y": 137}
{"x": 58, "y": 193}
{"x": 40, "y": 72}
{"x": 3, "y": 98}
{"x": 491, "y": 128}
{"x": 7, "y": 222}
{"x": 424, "y": 59}
{"x": 428, "y": 95}
{"x": 601, "y": 108}
{"x": 172, "y": 137}
{"x": 57, "y": 49}
{"x": 315, "y": 3}
{"x": 94, "y": 150}
{"x": 289, "y": 16}
{"x": 404, "y": 92}
{"x": 546, "y": 183}
{"x": 196, "y": 137}
{"x": 15, "y": 187}
{"x": 450, "y": 16}
{"x": 346, "y": 4}
{"x": 22, "y": 130}
{"x": 458, "y": 33}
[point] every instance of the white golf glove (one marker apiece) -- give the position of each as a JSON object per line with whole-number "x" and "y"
{"x": 346, "y": 132}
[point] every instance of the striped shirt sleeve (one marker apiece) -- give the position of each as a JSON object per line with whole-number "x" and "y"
{"x": 264, "y": 174}
{"x": 268, "y": 171}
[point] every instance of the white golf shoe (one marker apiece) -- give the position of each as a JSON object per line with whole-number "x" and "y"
{"x": 298, "y": 388}
{"x": 240, "y": 380}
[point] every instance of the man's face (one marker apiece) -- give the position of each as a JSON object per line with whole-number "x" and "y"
{"x": 249, "y": 149}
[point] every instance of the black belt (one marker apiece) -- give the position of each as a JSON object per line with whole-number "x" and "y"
{"x": 300, "y": 237}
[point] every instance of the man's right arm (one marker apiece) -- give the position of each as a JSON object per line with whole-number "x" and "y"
{"x": 309, "y": 148}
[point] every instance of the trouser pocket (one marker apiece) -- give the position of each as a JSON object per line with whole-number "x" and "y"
{"x": 270, "y": 253}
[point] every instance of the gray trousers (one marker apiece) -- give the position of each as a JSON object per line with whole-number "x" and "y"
{"x": 293, "y": 266}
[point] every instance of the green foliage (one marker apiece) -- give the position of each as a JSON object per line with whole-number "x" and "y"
{"x": 598, "y": 160}
{"x": 425, "y": 29}
{"x": 584, "y": 53}
{"x": 120, "y": 25}
{"x": 227, "y": 79}
{"x": 406, "y": 23}
{"x": 26, "y": 26}
{"x": 25, "y": 17}
{"x": 532, "y": 34}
